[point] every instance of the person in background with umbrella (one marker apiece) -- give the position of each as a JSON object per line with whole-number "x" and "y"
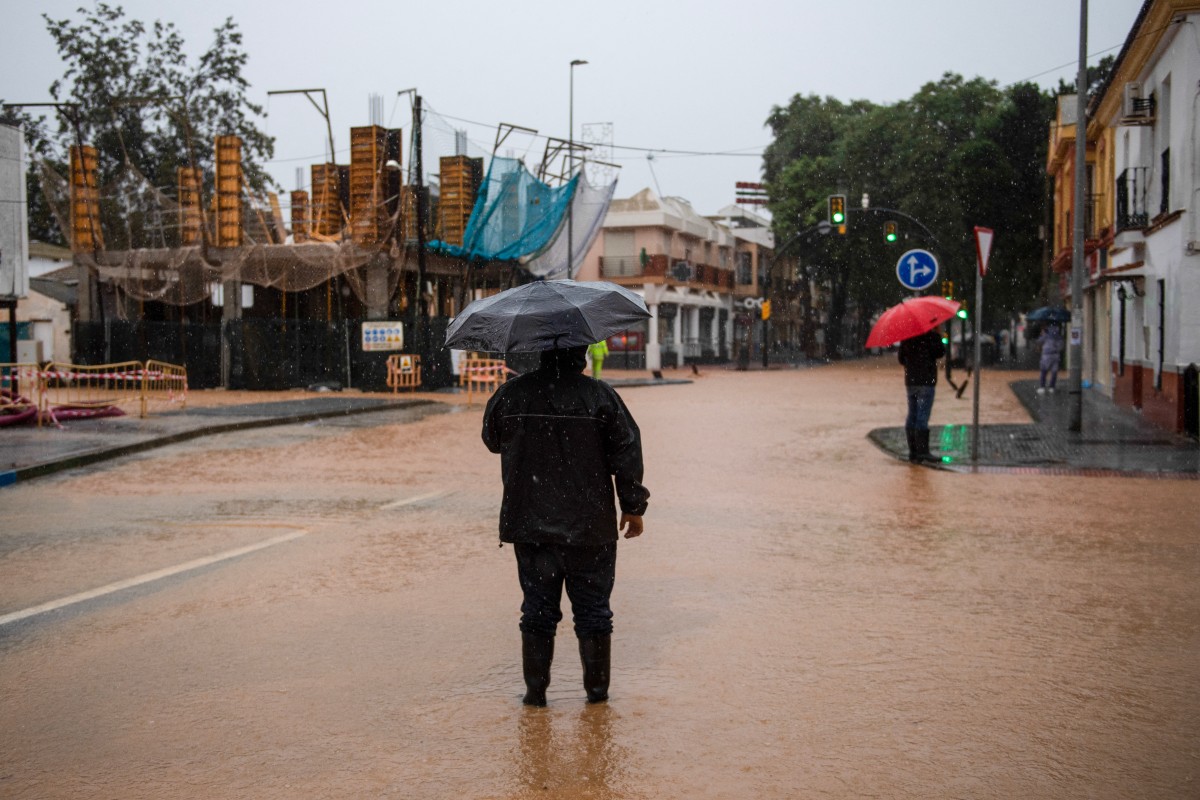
{"x": 1051, "y": 341}
{"x": 564, "y": 440}
{"x": 913, "y": 322}
{"x": 920, "y": 355}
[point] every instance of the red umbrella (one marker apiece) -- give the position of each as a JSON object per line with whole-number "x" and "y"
{"x": 910, "y": 318}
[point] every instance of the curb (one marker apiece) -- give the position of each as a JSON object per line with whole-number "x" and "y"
{"x": 84, "y": 459}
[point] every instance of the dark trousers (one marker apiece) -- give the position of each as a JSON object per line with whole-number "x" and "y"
{"x": 589, "y": 574}
{"x": 920, "y": 406}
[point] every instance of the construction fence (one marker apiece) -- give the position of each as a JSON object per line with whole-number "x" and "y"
{"x": 60, "y": 391}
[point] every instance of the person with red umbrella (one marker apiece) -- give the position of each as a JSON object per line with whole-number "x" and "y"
{"x": 913, "y": 323}
{"x": 920, "y": 355}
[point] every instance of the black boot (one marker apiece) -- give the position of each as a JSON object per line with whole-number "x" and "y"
{"x": 537, "y": 651}
{"x": 921, "y": 437}
{"x": 910, "y": 435}
{"x": 596, "y": 654}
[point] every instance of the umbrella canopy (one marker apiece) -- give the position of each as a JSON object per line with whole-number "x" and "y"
{"x": 544, "y": 315}
{"x": 1049, "y": 314}
{"x": 910, "y": 318}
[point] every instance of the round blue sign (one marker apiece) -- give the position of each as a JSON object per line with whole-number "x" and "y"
{"x": 917, "y": 269}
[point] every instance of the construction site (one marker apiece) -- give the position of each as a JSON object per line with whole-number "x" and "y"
{"x": 373, "y": 259}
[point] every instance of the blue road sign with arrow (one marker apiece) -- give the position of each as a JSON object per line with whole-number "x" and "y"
{"x": 917, "y": 269}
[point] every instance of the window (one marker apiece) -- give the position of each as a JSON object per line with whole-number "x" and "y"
{"x": 1164, "y": 203}
{"x": 745, "y": 274}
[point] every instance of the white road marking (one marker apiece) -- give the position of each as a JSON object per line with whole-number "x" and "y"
{"x": 149, "y": 577}
{"x": 408, "y": 501}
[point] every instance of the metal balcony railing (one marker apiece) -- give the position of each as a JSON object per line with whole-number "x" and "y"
{"x": 1092, "y": 219}
{"x": 620, "y": 266}
{"x": 1131, "y": 198}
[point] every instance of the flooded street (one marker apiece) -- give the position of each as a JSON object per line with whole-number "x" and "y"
{"x": 805, "y": 616}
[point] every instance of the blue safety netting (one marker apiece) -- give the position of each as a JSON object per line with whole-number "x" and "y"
{"x": 515, "y": 215}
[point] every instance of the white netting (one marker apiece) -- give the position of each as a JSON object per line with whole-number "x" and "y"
{"x": 142, "y": 256}
{"x": 588, "y": 207}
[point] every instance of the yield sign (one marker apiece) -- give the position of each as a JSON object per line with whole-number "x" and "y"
{"x": 983, "y": 247}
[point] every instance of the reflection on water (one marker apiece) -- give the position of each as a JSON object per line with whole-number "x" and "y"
{"x": 570, "y": 754}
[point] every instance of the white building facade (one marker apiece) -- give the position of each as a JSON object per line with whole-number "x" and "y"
{"x": 682, "y": 264}
{"x": 1147, "y": 281}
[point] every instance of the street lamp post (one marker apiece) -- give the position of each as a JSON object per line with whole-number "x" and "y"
{"x": 570, "y": 169}
{"x": 1075, "y": 408}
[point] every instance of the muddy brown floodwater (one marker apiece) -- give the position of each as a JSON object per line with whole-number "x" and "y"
{"x": 804, "y": 617}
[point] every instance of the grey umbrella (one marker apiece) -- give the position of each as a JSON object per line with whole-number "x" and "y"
{"x": 1049, "y": 314}
{"x": 544, "y": 315}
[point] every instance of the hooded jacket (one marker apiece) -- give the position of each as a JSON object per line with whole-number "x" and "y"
{"x": 563, "y": 438}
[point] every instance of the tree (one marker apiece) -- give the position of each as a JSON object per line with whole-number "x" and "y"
{"x": 957, "y": 154}
{"x": 131, "y": 92}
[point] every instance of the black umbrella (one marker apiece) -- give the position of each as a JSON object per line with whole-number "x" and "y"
{"x": 545, "y": 315}
{"x": 1049, "y": 314}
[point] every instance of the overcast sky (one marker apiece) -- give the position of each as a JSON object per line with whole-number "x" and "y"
{"x": 694, "y": 76}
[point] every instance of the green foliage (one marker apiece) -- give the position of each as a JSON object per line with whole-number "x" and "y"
{"x": 130, "y": 91}
{"x": 957, "y": 154}
{"x": 1097, "y": 77}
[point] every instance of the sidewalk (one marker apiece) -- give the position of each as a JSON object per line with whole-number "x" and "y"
{"x": 1114, "y": 441}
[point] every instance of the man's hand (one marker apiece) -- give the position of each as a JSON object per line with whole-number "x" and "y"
{"x": 631, "y": 524}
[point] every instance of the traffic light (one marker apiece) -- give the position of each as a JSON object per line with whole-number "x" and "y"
{"x": 948, "y": 290}
{"x": 766, "y": 309}
{"x": 962, "y": 311}
{"x": 837, "y": 212}
{"x": 889, "y": 232}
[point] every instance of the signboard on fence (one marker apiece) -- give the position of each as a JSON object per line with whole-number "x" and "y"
{"x": 14, "y": 271}
{"x": 379, "y": 337}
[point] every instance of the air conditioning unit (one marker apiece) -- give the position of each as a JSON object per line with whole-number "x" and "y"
{"x": 1134, "y": 107}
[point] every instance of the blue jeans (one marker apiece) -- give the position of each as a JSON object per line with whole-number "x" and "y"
{"x": 1049, "y": 368}
{"x": 588, "y": 573}
{"x": 920, "y": 406}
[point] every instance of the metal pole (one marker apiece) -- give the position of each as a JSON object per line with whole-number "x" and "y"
{"x": 571, "y": 169}
{"x": 1076, "y": 352}
{"x": 978, "y": 364}
{"x": 422, "y": 310}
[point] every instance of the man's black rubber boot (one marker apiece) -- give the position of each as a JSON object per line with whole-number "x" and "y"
{"x": 537, "y": 651}
{"x": 910, "y": 435}
{"x": 922, "y": 440}
{"x": 596, "y": 653}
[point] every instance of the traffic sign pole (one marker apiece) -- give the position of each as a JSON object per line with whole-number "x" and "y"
{"x": 983, "y": 249}
{"x": 978, "y": 368}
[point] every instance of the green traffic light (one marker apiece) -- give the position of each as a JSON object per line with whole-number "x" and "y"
{"x": 838, "y": 217}
{"x": 962, "y": 313}
{"x": 945, "y": 340}
{"x": 891, "y": 237}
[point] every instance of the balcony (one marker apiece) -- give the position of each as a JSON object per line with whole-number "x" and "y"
{"x": 659, "y": 269}
{"x": 620, "y": 266}
{"x": 1131, "y": 199}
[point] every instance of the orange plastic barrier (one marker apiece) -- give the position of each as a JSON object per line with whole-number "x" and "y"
{"x": 403, "y": 372}
{"x": 483, "y": 375}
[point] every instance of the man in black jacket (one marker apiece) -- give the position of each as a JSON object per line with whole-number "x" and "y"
{"x": 919, "y": 356}
{"x": 563, "y": 438}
